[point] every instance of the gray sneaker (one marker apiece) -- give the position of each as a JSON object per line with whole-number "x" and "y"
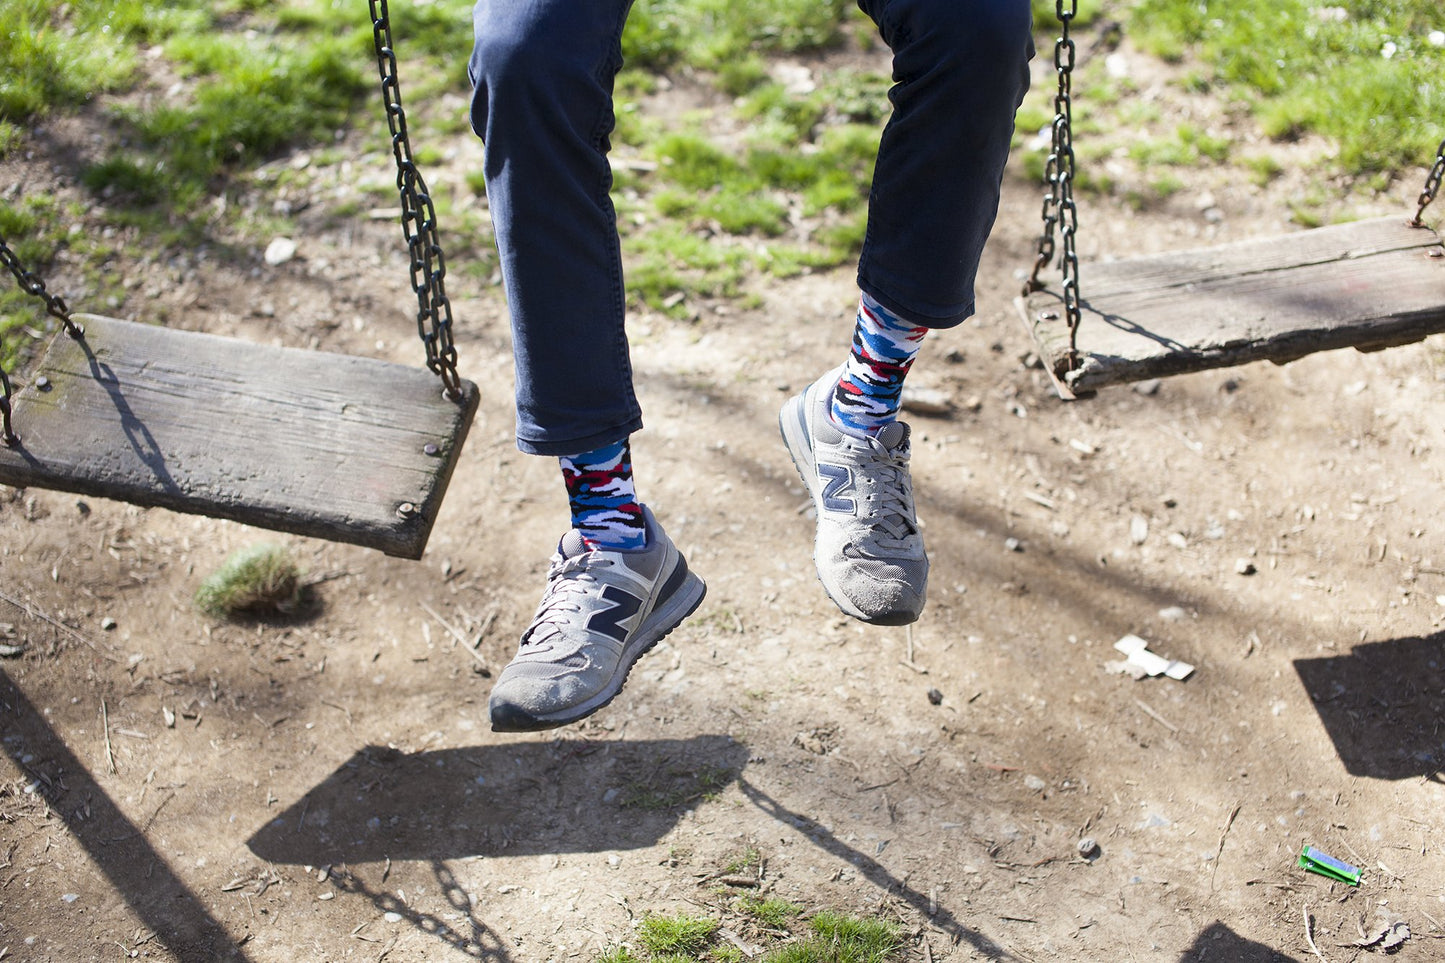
{"x": 868, "y": 550}
{"x": 600, "y": 612}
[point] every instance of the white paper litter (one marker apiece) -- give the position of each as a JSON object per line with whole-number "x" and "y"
{"x": 1149, "y": 663}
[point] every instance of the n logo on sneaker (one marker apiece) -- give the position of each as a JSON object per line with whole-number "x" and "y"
{"x": 838, "y": 479}
{"x": 609, "y": 621}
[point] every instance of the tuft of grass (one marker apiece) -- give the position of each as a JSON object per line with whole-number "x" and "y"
{"x": 262, "y": 580}
{"x": 675, "y": 787}
{"x": 830, "y": 938}
{"x": 681, "y": 935}
{"x": 744, "y": 862}
{"x": 618, "y": 954}
{"x": 837, "y": 938}
{"x": 774, "y": 912}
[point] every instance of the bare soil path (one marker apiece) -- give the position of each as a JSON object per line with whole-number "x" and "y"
{"x": 329, "y": 789}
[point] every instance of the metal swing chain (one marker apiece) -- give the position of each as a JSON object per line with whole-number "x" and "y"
{"x": 1059, "y": 209}
{"x": 418, "y": 220}
{"x": 1432, "y": 185}
{"x": 54, "y": 305}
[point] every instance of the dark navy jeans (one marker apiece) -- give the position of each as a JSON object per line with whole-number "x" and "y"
{"x": 543, "y": 73}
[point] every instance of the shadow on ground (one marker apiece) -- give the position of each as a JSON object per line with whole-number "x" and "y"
{"x": 939, "y": 915}
{"x": 569, "y": 796}
{"x": 1381, "y": 706}
{"x": 1219, "y": 942}
{"x": 118, "y": 847}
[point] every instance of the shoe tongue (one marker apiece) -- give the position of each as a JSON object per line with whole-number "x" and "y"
{"x": 892, "y": 435}
{"x": 572, "y": 544}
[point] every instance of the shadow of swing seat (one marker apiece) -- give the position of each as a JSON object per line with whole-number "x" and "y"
{"x": 1369, "y": 285}
{"x": 332, "y": 446}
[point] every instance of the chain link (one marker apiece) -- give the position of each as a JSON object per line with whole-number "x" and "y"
{"x": 54, "y": 305}
{"x": 1059, "y": 211}
{"x": 418, "y": 220}
{"x": 1432, "y": 185}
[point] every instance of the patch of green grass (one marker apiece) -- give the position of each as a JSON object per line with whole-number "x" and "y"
{"x": 1263, "y": 168}
{"x": 262, "y": 580}
{"x": 681, "y": 934}
{"x": 1368, "y": 79}
{"x": 774, "y": 911}
{"x": 55, "y": 54}
{"x": 710, "y": 33}
{"x": 668, "y": 261}
{"x": 674, "y": 787}
{"x": 745, "y": 862}
{"x": 837, "y": 938}
{"x": 32, "y": 229}
{"x": 256, "y": 98}
{"x": 1187, "y": 148}
{"x": 1166, "y": 185}
{"x": 829, "y": 938}
{"x": 618, "y": 954}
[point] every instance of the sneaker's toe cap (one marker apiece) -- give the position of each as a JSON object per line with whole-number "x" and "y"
{"x": 883, "y": 598}
{"x": 523, "y": 702}
{"x": 510, "y": 717}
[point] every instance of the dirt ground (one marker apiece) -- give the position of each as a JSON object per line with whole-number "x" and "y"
{"x": 174, "y": 788}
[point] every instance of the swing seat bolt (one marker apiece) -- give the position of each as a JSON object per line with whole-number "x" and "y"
{"x": 432, "y": 449}
{"x": 42, "y": 383}
{"x": 405, "y": 510}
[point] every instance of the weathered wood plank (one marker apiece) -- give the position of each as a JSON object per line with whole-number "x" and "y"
{"x": 325, "y": 445}
{"x": 1368, "y": 285}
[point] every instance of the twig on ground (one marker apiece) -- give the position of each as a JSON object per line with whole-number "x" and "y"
{"x": 1220, "y": 850}
{"x": 1309, "y": 935}
{"x": 35, "y": 613}
{"x": 321, "y": 577}
{"x": 105, "y": 725}
{"x": 1156, "y": 716}
{"x": 457, "y": 636}
{"x": 341, "y": 708}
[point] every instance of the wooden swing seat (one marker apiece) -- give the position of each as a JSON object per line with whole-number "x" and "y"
{"x": 1368, "y": 285}
{"x": 332, "y": 446}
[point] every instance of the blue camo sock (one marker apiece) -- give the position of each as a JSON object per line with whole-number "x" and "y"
{"x": 870, "y": 391}
{"x": 603, "y": 499}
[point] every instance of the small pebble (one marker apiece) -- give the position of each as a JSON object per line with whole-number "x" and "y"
{"x": 1088, "y": 847}
{"x": 279, "y": 251}
{"x": 1147, "y": 388}
{"x": 935, "y": 697}
{"x": 926, "y": 401}
{"x": 1013, "y": 545}
{"x": 1244, "y": 566}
